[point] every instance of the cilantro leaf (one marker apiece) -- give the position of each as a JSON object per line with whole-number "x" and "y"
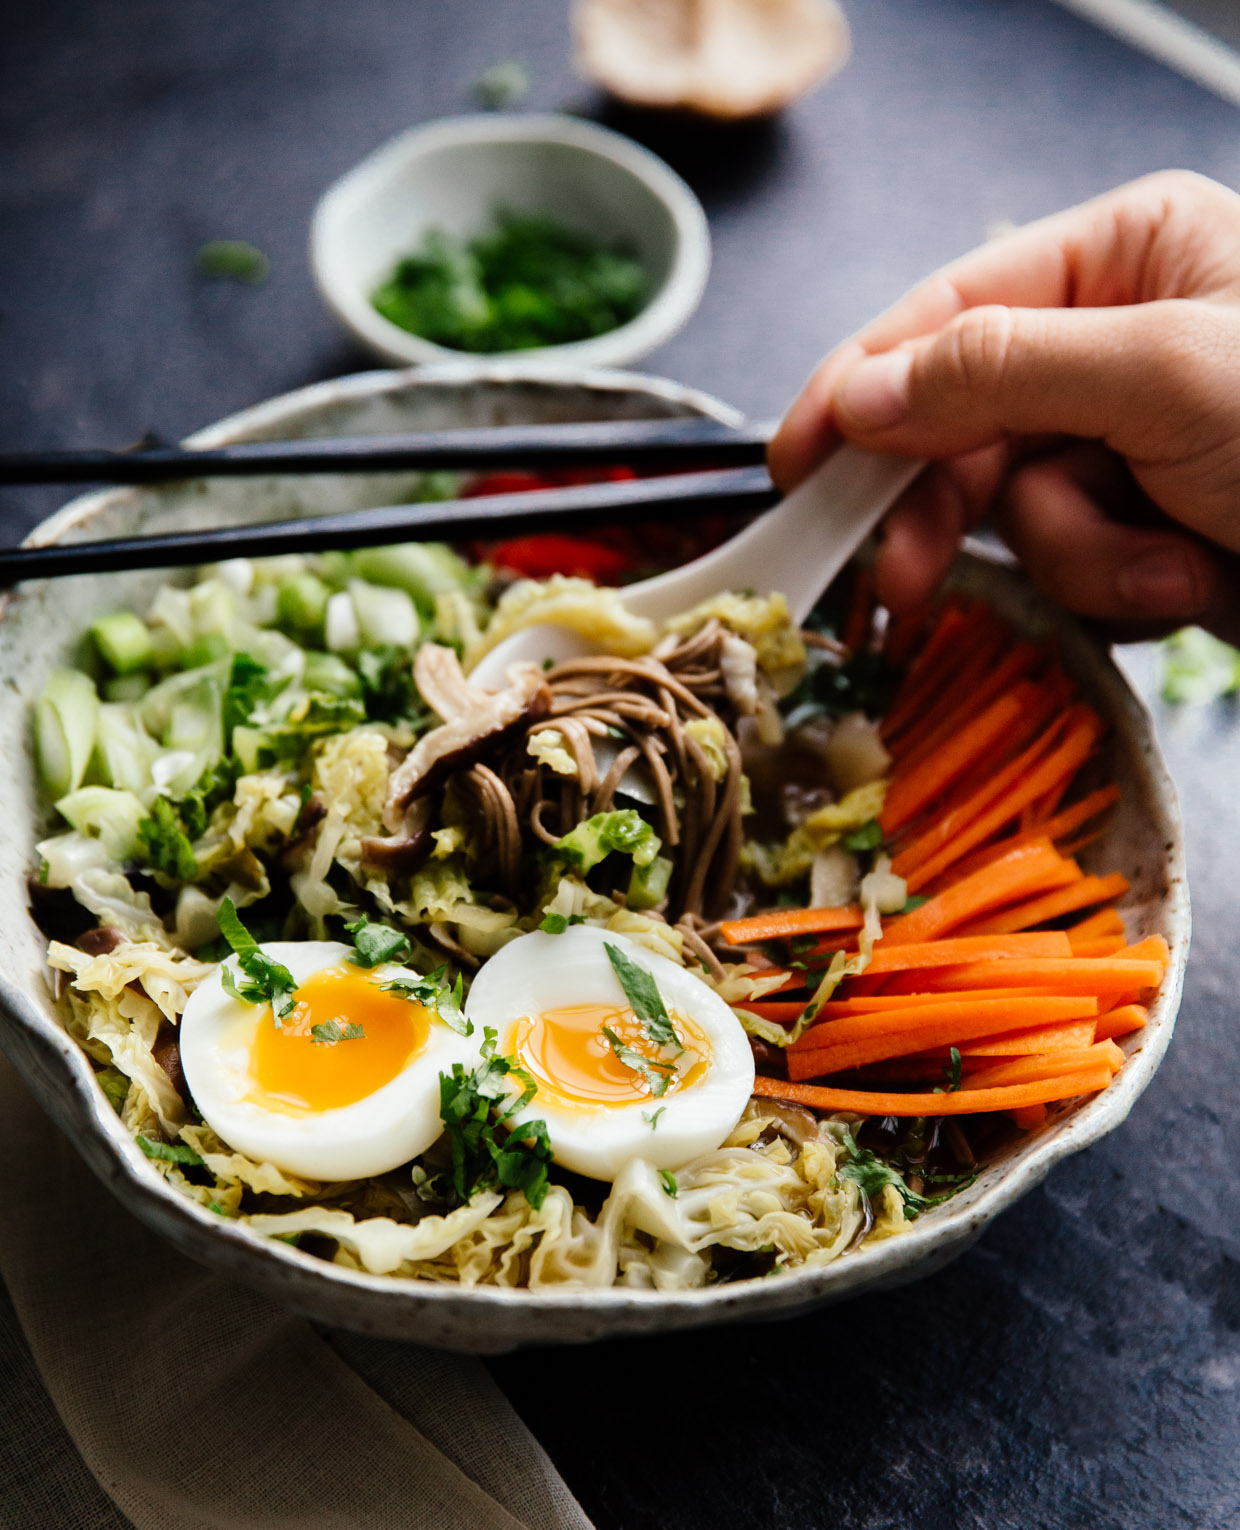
{"x": 433, "y": 992}
{"x": 265, "y": 981}
{"x": 330, "y": 1032}
{"x": 658, "y": 1075}
{"x": 278, "y": 743}
{"x": 642, "y": 992}
{"x": 951, "y": 1073}
{"x": 868, "y": 837}
{"x": 914, "y": 900}
{"x": 556, "y": 924}
{"x": 175, "y": 1152}
{"x": 374, "y": 943}
{"x": 249, "y": 686}
{"x": 115, "y": 1085}
{"x": 651, "y": 1118}
{"x": 482, "y": 1158}
{"x": 388, "y": 691}
{"x": 215, "y": 785}
{"x": 670, "y": 1187}
{"x": 871, "y": 1175}
{"x": 866, "y": 682}
{"x": 163, "y": 844}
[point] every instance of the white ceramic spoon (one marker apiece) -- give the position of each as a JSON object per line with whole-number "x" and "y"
{"x": 797, "y": 547}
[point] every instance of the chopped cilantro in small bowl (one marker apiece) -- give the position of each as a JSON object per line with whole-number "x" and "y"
{"x": 542, "y": 240}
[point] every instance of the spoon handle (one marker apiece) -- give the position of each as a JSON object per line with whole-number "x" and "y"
{"x": 798, "y": 547}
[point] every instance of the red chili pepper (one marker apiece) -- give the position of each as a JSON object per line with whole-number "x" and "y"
{"x": 538, "y": 557}
{"x": 611, "y": 553}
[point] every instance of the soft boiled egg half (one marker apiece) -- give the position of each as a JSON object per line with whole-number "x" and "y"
{"x": 346, "y": 1086}
{"x": 551, "y": 999}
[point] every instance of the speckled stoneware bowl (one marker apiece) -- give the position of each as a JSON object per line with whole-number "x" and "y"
{"x": 42, "y": 626}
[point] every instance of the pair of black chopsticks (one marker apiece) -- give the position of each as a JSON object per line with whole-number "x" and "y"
{"x": 698, "y": 465}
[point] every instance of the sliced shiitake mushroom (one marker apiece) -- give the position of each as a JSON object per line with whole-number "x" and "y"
{"x": 474, "y": 719}
{"x": 721, "y": 58}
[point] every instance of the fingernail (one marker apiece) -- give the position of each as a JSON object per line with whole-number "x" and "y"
{"x": 875, "y": 393}
{"x": 1163, "y": 582}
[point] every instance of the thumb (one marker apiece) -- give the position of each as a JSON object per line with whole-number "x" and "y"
{"x": 1158, "y": 382}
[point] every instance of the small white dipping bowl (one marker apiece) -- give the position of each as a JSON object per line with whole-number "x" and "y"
{"x": 454, "y": 174}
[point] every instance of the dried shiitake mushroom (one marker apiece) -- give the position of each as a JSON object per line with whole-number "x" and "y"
{"x": 722, "y": 58}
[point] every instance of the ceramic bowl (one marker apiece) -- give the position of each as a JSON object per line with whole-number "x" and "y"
{"x": 42, "y": 625}
{"x": 454, "y": 174}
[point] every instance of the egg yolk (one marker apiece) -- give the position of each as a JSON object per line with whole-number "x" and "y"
{"x": 314, "y": 1060}
{"x": 572, "y": 1060}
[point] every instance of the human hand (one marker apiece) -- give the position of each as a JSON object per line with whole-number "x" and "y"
{"x": 1075, "y": 378}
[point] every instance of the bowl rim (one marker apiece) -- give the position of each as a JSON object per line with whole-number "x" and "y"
{"x": 916, "y": 1250}
{"x": 667, "y": 311}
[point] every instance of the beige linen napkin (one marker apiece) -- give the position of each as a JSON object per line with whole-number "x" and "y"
{"x": 200, "y": 1405}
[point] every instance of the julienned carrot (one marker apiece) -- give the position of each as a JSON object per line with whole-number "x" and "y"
{"x": 1106, "y": 921}
{"x": 902, "y": 634}
{"x": 1051, "y": 704}
{"x": 1066, "y": 759}
{"x": 1030, "y": 1117}
{"x": 936, "y": 659}
{"x": 1076, "y": 974}
{"x": 1050, "y": 905}
{"x": 958, "y": 1102}
{"x": 1075, "y": 843}
{"x": 1153, "y": 949}
{"x": 962, "y": 808}
{"x": 947, "y": 953}
{"x": 1105, "y": 945}
{"x": 882, "y": 1003}
{"x": 913, "y": 790}
{"x": 894, "y": 1036}
{"x": 968, "y": 669}
{"x": 974, "y": 690}
{"x": 1048, "y": 806}
{"x": 999, "y": 1015}
{"x": 1056, "y": 828}
{"x": 1120, "y": 1022}
{"x": 1026, "y": 1070}
{"x": 860, "y": 610}
{"x": 977, "y": 1056}
{"x": 1033, "y": 868}
{"x": 784, "y": 923}
{"x": 1071, "y": 1036}
{"x": 783, "y": 1011}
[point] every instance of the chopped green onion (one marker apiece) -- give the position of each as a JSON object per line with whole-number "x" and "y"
{"x": 234, "y": 259}
{"x": 65, "y": 721}
{"x": 301, "y": 604}
{"x": 124, "y": 642}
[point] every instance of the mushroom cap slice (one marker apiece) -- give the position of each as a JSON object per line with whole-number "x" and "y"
{"x": 722, "y": 58}
{"x": 473, "y": 720}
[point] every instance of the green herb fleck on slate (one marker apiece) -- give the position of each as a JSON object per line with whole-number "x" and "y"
{"x": 232, "y": 260}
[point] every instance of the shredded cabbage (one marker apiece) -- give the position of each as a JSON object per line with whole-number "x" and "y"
{"x": 597, "y": 614}
{"x": 781, "y": 865}
{"x": 763, "y": 621}
{"x": 549, "y": 748}
{"x": 709, "y": 734}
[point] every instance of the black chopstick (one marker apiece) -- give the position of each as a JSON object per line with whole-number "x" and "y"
{"x": 640, "y": 444}
{"x": 675, "y": 497}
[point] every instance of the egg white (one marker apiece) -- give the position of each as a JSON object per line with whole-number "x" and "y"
{"x": 379, "y": 1132}
{"x": 540, "y": 972}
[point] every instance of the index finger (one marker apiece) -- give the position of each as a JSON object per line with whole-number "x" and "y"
{"x": 1098, "y": 254}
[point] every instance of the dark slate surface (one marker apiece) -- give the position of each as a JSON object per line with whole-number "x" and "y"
{"x": 1081, "y": 1367}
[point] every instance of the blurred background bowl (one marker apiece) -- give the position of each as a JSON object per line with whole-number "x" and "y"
{"x": 453, "y": 175}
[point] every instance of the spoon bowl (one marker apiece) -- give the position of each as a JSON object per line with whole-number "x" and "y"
{"x": 797, "y": 548}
